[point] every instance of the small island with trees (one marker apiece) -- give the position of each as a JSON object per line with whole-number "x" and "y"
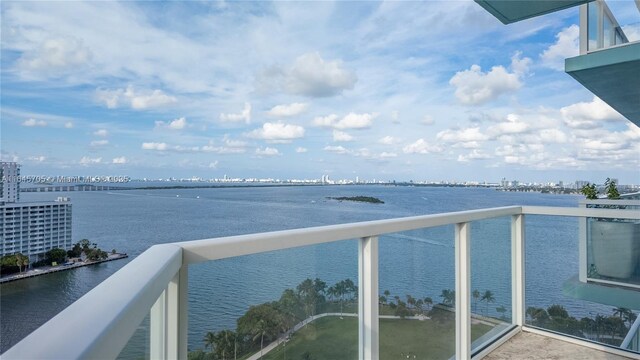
{"x": 367, "y": 199}
{"x": 84, "y": 252}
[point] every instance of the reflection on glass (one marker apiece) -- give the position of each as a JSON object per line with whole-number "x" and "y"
{"x": 592, "y": 25}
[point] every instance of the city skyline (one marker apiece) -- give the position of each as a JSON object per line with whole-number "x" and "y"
{"x": 420, "y": 91}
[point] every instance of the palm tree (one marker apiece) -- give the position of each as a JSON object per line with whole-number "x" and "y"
{"x": 488, "y": 298}
{"x": 429, "y": 302}
{"x": 476, "y": 296}
{"x": 259, "y": 331}
{"x": 209, "y": 340}
{"x": 224, "y": 343}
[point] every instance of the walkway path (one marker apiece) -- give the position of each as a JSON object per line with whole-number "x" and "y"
{"x": 51, "y": 269}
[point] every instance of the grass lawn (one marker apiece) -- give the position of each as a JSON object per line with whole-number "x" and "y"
{"x": 334, "y": 338}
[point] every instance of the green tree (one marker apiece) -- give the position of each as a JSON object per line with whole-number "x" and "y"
{"x": 611, "y": 189}
{"x": 476, "y": 296}
{"x": 225, "y": 343}
{"x": 261, "y": 322}
{"x": 488, "y": 298}
{"x": 502, "y": 311}
{"x": 557, "y": 312}
{"x": 21, "y": 260}
{"x": 590, "y": 191}
{"x": 55, "y": 255}
{"x": 429, "y": 302}
{"x": 210, "y": 340}
{"x": 448, "y": 297}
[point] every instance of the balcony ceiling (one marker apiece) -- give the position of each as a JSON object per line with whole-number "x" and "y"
{"x": 510, "y": 11}
{"x": 612, "y": 75}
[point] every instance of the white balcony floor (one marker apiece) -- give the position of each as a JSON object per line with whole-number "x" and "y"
{"x": 528, "y": 346}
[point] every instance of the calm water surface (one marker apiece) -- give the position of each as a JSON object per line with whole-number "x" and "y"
{"x": 419, "y": 263}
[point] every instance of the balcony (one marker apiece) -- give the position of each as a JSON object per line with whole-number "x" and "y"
{"x": 608, "y": 62}
{"x": 146, "y": 302}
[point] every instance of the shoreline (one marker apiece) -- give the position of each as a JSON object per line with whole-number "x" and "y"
{"x": 52, "y": 269}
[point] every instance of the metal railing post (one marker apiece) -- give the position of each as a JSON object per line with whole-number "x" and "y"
{"x": 463, "y": 287}
{"x": 158, "y": 328}
{"x": 183, "y": 312}
{"x": 368, "y": 335}
{"x": 517, "y": 269}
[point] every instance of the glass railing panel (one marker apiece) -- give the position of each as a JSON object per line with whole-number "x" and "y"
{"x": 555, "y": 298}
{"x": 139, "y": 344}
{"x": 491, "y": 305}
{"x": 288, "y": 304}
{"x": 613, "y": 247}
{"x": 592, "y": 25}
{"x": 417, "y": 294}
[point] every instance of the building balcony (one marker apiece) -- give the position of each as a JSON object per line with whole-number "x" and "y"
{"x": 142, "y": 310}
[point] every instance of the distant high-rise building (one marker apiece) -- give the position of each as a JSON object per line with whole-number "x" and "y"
{"x": 580, "y": 184}
{"x": 31, "y": 228}
{"x": 9, "y": 182}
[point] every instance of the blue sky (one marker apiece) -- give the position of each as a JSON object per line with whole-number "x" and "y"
{"x": 432, "y": 90}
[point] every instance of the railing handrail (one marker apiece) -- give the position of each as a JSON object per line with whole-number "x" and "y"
{"x": 609, "y": 202}
{"x": 582, "y": 212}
{"x": 100, "y": 323}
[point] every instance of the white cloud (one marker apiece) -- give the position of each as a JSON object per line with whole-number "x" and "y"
{"x": 176, "y": 124}
{"x": 68, "y": 125}
{"x": 310, "y": 75}
{"x": 341, "y": 136}
{"x": 388, "y": 140}
{"x": 101, "y": 133}
{"x": 55, "y": 55}
{"x": 301, "y": 150}
{"x": 38, "y": 159}
{"x": 553, "y": 136}
{"x": 349, "y": 121}
{"x": 119, "y": 160}
{"x": 474, "y": 87}
{"x": 288, "y": 110}
{"x": 277, "y": 132}
{"x": 427, "y": 120}
{"x": 325, "y": 121}
{"x": 135, "y": 99}
{"x": 567, "y": 45}
{"x": 88, "y": 161}
{"x": 213, "y": 165}
{"x": 421, "y": 147}
{"x": 386, "y": 155}
{"x": 336, "y": 149}
{"x": 268, "y": 151}
{"x": 98, "y": 143}
{"x": 588, "y": 115}
{"x": 154, "y": 146}
{"x": 355, "y": 121}
{"x": 33, "y": 123}
{"x": 244, "y": 115}
{"x": 513, "y": 125}
{"x": 466, "y": 138}
{"x": 473, "y": 155}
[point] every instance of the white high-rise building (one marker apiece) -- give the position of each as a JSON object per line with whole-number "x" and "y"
{"x": 30, "y": 228}
{"x": 9, "y": 182}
